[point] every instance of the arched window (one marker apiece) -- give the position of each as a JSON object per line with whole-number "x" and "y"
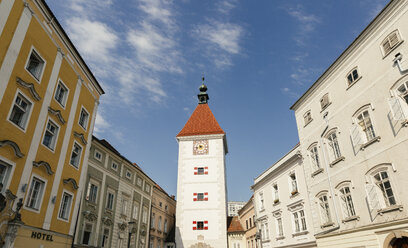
{"x": 325, "y": 101}
{"x": 324, "y": 209}
{"x": 353, "y": 76}
{"x": 314, "y": 158}
{"x": 363, "y": 131}
{"x": 399, "y": 100}
{"x": 333, "y": 147}
{"x": 307, "y": 117}
{"x": 346, "y": 200}
{"x": 390, "y": 42}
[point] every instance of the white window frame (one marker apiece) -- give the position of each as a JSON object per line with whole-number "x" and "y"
{"x": 69, "y": 207}
{"x": 23, "y": 129}
{"x": 88, "y": 191}
{"x": 293, "y": 184}
{"x": 313, "y": 151}
{"x": 55, "y": 142}
{"x": 279, "y": 227}
{"x": 135, "y": 210}
{"x": 95, "y": 157}
{"x": 307, "y": 117}
{"x": 324, "y": 101}
{"x": 85, "y": 127}
{"x": 298, "y": 221}
{"x": 387, "y": 39}
{"x": 80, "y": 155}
{"x": 324, "y": 211}
{"x": 113, "y": 167}
{"x": 65, "y": 98}
{"x": 399, "y": 101}
{"x": 145, "y": 211}
{"x": 346, "y": 200}
{"x": 354, "y": 80}
{"x": 261, "y": 201}
{"x": 41, "y": 198}
{"x": 359, "y": 137}
{"x": 38, "y": 80}
{"x": 110, "y": 191}
{"x": 128, "y": 174}
{"x": 334, "y": 152}
{"x": 10, "y": 171}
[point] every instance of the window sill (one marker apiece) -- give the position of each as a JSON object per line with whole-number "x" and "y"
{"x": 390, "y": 209}
{"x": 342, "y": 158}
{"x": 300, "y": 233}
{"x": 385, "y": 55}
{"x": 280, "y": 237}
{"x": 294, "y": 194}
{"x": 275, "y": 203}
{"x": 308, "y": 123}
{"x": 353, "y": 83}
{"x": 373, "y": 140}
{"x": 328, "y": 224}
{"x": 405, "y": 123}
{"x": 262, "y": 210}
{"x": 351, "y": 218}
{"x": 317, "y": 172}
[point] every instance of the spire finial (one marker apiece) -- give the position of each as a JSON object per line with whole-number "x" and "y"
{"x": 203, "y": 96}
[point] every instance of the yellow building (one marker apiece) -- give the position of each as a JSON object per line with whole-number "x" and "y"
{"x": 48, "y": 103}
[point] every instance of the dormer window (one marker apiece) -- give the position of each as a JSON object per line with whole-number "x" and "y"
{"x": 307, "y": 117}
{"x": 324, "y": 101}
{"x": 390, "y": 42}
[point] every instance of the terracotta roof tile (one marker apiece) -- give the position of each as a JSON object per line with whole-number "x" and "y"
{"x": 201, "y": 122}
{"x": 234, "y": 225}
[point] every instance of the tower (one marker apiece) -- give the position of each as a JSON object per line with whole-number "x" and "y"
{"x": 201, "y": 212}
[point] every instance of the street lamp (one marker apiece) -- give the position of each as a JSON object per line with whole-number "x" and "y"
{"x": 131, "y": 226}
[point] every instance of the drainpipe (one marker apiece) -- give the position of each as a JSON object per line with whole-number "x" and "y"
{"x": 397, "y": 60}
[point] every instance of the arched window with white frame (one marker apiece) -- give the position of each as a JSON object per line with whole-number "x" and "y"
{"x": 315, "y": 159}
{"x": 363, "y": 132}
{"x": 333, "y": 147}
{"x": 346, "y": 201}
{"x": 324, "y": 209}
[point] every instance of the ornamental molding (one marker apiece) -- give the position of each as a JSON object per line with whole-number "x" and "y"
{"x": 30, "y": 87}
{"x": 57, "y": 113}
{"x": 90, "y": 215}
{"x": 81, "y": 137}
{"x": 72, "y": 181}
{"x": 298, "y": 205}
{"x": 122, "y": 226}
{"x": 13, "y": 145}
{"x": 107, "y": 221}
{"x": 45, "y": 165}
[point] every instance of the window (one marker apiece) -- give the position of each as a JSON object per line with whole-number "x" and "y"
{"x": 152, "y": 220}
{"x": 144, "y": 214}
{"x": 50, "y": 136}
{"x": 250, "y": 222}
{"x": 275, "y": 193}
{"x": 125, "y": 203}
{"x": 200, "y": 225}
{"x": 246, "y": 224}
{"x": 293, "y": 183}
{"x": 166, "y": 208}
{"x": 139, "y": 181}
{"x": 299, "y": 221}
{"x": 135, "y": 210}
{"x": 114, "y": 166}
{"x": 307, "y": 117}
{"x": 280, "y": 226}
{"x": 159, "y": 224}
{"x": 383, "y": 182}
{"x": 160, "y": 204}
{"x": 21, "y": 111}
{"x": 35, "y": 193}
{"x": 265, "y": 231}
{"x": 110, "y": 200}
{"x": 324, "y": 101}
{"x": 347, "y": 202}
{"x": 314, "y": 155}
{"x": 65, "y": 207}
{"x": 390, "y": 42}
{"x": 98, "y": 155}
{"x": 333, "y": 145}
{"x": 92, "y": 192}
{"x": 35, "y": 65}
{"x": 261, "y": 201}
{"x": 324, "y": 209}
{"x": 147, "y": 188}
{"x": 200, "y": 170}
{"x": 4, "y": 173}
{"x": 83, "y": 118}
{"x": 61, "y": 94}
{"x": 366, "y": 125}
{"x": 105, "y": 238}
{"x": 362, "y": 133}
{"x": 128, "y": 174}
{"x": 200, "y": 196}
{"x": 76, "y": 155}
{"x": 165, "y": 226}
{"x": 402, "y": 91}
{"x": 352, "y": 77}
{"x": 86, "y": 237}
{"x": 399, "y": 102}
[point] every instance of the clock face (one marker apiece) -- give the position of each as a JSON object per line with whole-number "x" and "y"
{"x": 200, "y": 147}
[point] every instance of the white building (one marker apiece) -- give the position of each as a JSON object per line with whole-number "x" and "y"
{"x": 234, "y": 207}
{"x": 201, "y": 213}
{"x": 282, "y": 208}
{"x": 353, "y": 132}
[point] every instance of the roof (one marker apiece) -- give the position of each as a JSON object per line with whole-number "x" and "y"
{"x": 234, "y": 225}
{"x": 164, "y": 192}
{"x": 201, "y": 122}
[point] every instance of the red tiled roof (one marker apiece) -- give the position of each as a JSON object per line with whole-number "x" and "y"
{"x": 234, "y": 225}
{"x": 201, "y": 122}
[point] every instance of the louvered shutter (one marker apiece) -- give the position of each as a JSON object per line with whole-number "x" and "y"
{"x": 356, "y": 136}
{"x": 375, "y": 198}
{"x": 396, "y": 108}
{"x": 393, "y": 39}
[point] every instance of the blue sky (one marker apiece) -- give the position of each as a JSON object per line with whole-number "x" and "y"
{"x": 258, "y": 58}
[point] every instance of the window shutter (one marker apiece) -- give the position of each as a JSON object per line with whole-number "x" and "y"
{"x": 396, "y": 108}
{"x": 356, "y": 136}
{"x": 393, "y": 39}
{"x": 374, "y": 198}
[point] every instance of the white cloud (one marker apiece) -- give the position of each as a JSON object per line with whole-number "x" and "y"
{"x": 93, "y": 39}
{"x": 158, "y": 10}
{"x": 308, "y": 23}
{"x": 226, "y": 6}
{"x": 100, "y": 124}
{"x": 289, "y": 92}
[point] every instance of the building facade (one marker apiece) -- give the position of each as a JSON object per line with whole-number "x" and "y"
{"x": 282, "y": 208}
{"x": 115, "y": 208}
{"x": 353, "y": 132}
{"x": 201, "y": 214}
{"x": 234, "y": 207}
{"x": 247, "y": 218}
{"x": 235, "y": 232}
{"x": 162, "y": 219}
{"x": 48, "y": 103}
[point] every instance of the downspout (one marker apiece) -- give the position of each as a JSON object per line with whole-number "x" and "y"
{"x": 397, "y": 60}
{"x": 327, "y": 167}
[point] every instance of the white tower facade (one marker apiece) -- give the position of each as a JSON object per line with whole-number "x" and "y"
{"x": 201, "y": 213}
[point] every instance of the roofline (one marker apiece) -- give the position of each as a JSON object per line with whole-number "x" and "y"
{"x": 55, "y": 20}
{"x": 343, "y": 54}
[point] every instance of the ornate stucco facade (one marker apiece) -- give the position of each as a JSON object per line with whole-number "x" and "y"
{"x": 117, "y": 193}
{"x": 48, "y": 103}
